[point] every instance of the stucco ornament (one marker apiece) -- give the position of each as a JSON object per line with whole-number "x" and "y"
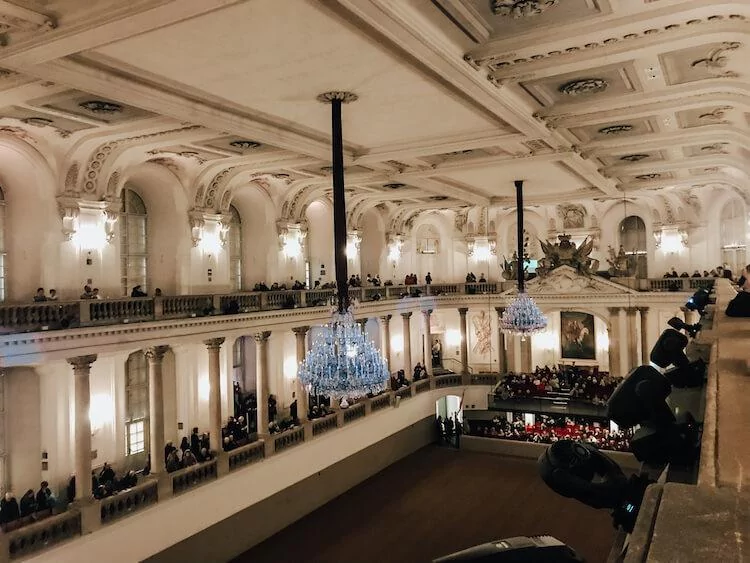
{"x": 521, "y": 8}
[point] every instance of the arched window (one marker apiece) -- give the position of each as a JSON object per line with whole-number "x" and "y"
{"x": 2, "y": 246}
{"x": 234, "y": 236}
{"x": 734, "y": 235}
{"x": 136, "y": 403}
{"x": 633, "y": 241}
{"x": 133, "y": 242}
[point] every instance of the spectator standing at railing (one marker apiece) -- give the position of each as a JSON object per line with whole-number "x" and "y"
{"x": 44, "y": 497}
{"x": 27, "y": 506}
{"x": 9, "y": 510}
{"x": 157, "y": 292}
{"x": 95, "y": 293}
{"x": 86, "y": 292}
{"x": 137, "y": 292}
{"x": 428, "y": 278}
{"x": 482, "y": 279}
{"x": 40, "y": 296}
{"x": 52, "y": 295}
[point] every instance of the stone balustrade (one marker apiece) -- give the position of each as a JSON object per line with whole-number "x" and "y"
{"x": 56, "y": 315}
{"x": 245, "y": 455}
{"x": 129, "y": 501}
{"x": 193, "y": 476}
{"x": 422, "y": 386}
{"x": 354, "y": 412}
{"x": 288, "y": 439}
{"x": 324, "y": 424}
{"x": 53, "y": 529}
{"x": 40, "y": 535}
{"x": 484, "y": 379}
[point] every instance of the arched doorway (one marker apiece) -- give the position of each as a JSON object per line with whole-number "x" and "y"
{"x": 633, "y": 241}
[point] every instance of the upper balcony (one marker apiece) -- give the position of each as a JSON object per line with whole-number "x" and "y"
{"x": 48, "y": 330}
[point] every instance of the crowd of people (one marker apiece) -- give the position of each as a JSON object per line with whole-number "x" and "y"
{"x": 32, "y": 507}
{"x": 549, "y": 429}
{"x": 195, "y": 450}
{"x": 718, "y": 272}
{"x": 588, "y": 384}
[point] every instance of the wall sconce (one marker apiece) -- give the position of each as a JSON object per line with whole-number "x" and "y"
{"x": 395, "y": 247}
{"x": 101, "y": 412}
{"x": 353, "y": 241}
{"x": 481, "y": 248}
{"x": 397, "y": 343}
{"x": 452, "y": 337}
{"x": 292, "y": 239}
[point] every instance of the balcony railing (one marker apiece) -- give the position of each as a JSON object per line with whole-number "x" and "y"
{"x": 53, "y": 529}
{"x": 57, "y": 315}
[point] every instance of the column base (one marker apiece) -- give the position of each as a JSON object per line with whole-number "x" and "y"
{"x": 91, "y": 516}
{"x": 307, "y": 426}
{"x": 163, "y": 485}
{"x": 222, "y": 464}
{"x": 267, "y": 444}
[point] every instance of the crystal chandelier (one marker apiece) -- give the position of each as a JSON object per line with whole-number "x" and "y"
{"x": 342, "y": 361}
{"x": 522, "y": 316}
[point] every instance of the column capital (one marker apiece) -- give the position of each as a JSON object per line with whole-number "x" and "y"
{"x": 406, "y": 316}
{"x": 614, "y": 310}
{"x": 155, "y": 353}
{"x": 300, "y": 330}
{"x": 262, "y": 337}
{"x": 462, "y": 311}
{"x": 386, "y": 318}
{"x": 214, "y": 343}
{"x": 82, "y": 362}
{"x": 630, "y": 310}
{"x": 426, "y": 312}
{"x": 500, "y": 311}
{"x": 643, "y": 310}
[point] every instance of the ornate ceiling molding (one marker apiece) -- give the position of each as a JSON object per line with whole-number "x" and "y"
{"x": 716, "y": 60}
{"x": 583, "y": 87}
{"x": 521, "y": 8}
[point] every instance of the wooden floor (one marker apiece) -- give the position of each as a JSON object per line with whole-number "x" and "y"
{"x": 435, "y": 502}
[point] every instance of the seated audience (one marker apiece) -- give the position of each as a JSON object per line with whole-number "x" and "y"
{"x": 44, "y": 498}
{"x": 28, "y": 503}
{"x": 9, "y": 510}
{"x": 52, "y": 295}
{"x": 739, "y": 306}
{"x": 40, "y": 296}
{"x": 138, "y": 292}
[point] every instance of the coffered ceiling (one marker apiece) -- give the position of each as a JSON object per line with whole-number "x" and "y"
{"x": 457, "y": 98}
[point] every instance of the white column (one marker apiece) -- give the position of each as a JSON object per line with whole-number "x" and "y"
{"x": 614, "y": 341}
{"x": 645, "y": 349}
{"x": 261, "y": 378}
{"x": 214, "y": 392}
{"x": 427, "y": 345}
{"x": 464, "y": 340}
{"x": 81, "y": 372}
{"x": 502, "y": 358}
{"x": 408, "y": 366}
{"x": 622, "y": 323}
{"x": 155, "y": 355}
{"x": 385, "y": 344}
{"x": 300, "y": 333}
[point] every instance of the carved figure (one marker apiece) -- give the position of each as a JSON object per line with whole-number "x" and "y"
{"x": 483, "y": 333}
{"x": 565, "y": 253}
{"x": 620, "y": 264}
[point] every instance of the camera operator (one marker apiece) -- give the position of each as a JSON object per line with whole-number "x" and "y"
{"x": 740, "y": 305}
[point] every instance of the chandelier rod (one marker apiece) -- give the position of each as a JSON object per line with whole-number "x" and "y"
{"x": 339, "y": 207}
{"x": 519, "y": 231}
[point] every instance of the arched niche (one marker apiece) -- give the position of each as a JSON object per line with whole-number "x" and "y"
{"x": 633, "y": 239}
{"x": 32, "y": 256}
{"x": 432, "y": 249}
{"x": 372, "y": 248}
{"x": 319, "y": 216}
{"x": 168, "y": 229}
{"x": 260, "y": 241}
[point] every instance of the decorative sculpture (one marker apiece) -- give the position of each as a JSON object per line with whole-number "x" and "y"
{"x": 620, "y": 264}
{"x": 565, "y": 253}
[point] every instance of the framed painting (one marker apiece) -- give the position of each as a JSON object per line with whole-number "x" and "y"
{"x": 577, "y": 339}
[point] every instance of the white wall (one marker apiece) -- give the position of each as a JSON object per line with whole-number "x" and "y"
{"x": 23, "y": 429}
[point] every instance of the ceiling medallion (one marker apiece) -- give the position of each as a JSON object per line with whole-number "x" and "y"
{"x": 616, "y": 129}
{"x": 645, "y": 177}
{"x": 584, "y": 86}
{"x": 634, "y": 157}
{"x": 244, "y": 144}
{"x": 394, "y": 186}
{"x": 344, "y": 97}
{"x": 521, "y": 8}
{"x": 100, "y": 106}
{"x": 37, "y": 121}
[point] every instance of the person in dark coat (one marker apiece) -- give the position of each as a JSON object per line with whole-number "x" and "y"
{"x": 44, "y": 497}
{"x": 107, "y": 474}
{"x": 9, "y": 510}
{"x": 195, "y": 442}
{"x": 184, "y": 445}
{"x": 28, "y": 503}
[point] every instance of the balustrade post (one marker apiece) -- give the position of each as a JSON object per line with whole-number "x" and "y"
{"x": 385, "y": 323}
{"x": 303, "y": 298}
{"x": 214, "y": 393}
{"x": 90, "y": 519}
{"x": 502, "y": 358}
{"x": 623, "y": 339}
{"x": 526, "y": 354}
{"x": 407, "y": 343}
{"x": 158, "y": 308}
{"x": 303, "y": 408}
{"x": 84, "y": 311}
{"x": 645, "y": 351}
{"x": 263, "y": 301}
{"x": 427, "y": 344}
{"x": 464, "y": 340}
{"x": 155, "y": 355}
{"x": 261, "y": 381}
